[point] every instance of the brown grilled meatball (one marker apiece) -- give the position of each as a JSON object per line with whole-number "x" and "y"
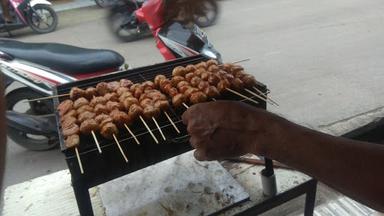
{"x": 172, "y": 92}
{"x": 236, "y": 68}
{"x": 70, "y": 129}
{"x": 179, "y": 71}
{"x": 134, "y": 87}
{"x": 203, "y": 85}
{"x": 223, "y": 85}
{"x": 72, "y": 141}
{"x": 237, "y": 84}
{"x": 112, "y": 105}
{"x": 84, "y": 108}
{"x": 122, "y": 90}
{"x": 80, "y": 102}
{"x": 205, "y": 75}
{"x": 90, "y": 92}
{"x": 213, "y": 68}
{"x": 135, "y": 111}
{"x": 189, "y": 92}
{"x": 120, "y": 118}
{"x": 97, "y": 100}
{"x": 85, "y": 115}
{"x": 183, "y": 83}
{"x": 64, "y": 107}
{"x": 76, "y": 93}
{"x": 199, "y": 71}
{"x": 183, "y": 89}
{"x": 113, "y": 86}
{"x": 213, "y": 79}
{"x": 195, "y": 81}
{"x": 226, "y": 66}
{"x": 111, "y": 97}
{"x": 71, "y": 113}
{"x": 151, "y": 111}
{"x": 138, "y": 92}
{"x": 125, "y": 95}
{"x": 190, "y": 68}
{"x": 126, "y": 83}
{"x": 211, "y": 92}
{"x": 198, "y": 97}
{"x": 189, "y": 76}
{"x": 249, "y": 81}
{"x": 167, "y": 88}
{"x": 212, "y": 62}
{"x": 68, "y": 121}
{"x": 146, "y": 102}
{"x": 88, "y": 126}
{"x": 163, "y": 83}
{"x": 128, "y": 102}
{"x": 176, "y": 79}
{"x": 229, "y": 77}
{"x": 178, "y": 100}
{"x": 102, "y": 88}
{"x": 162, "y": 104}
{"x": 101, "y": 117}
{"x": 108, "y": 130}
{"x": 148, "y": 85}
{"x": 158, "y": 78}
{"x": 101, "y": 108}
{"x": 202, "y": 65}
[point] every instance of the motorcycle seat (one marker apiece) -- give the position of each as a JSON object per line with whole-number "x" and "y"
{"x": 63, "y": 58}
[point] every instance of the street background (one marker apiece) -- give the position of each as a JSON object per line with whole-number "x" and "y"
{"x": 322, "y": 60}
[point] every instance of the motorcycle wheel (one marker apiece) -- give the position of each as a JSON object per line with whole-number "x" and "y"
{"x": 209, "y": 14}
{"x": 42, "y": 19}
{"x": 116, "y": 18}
{"x": 16, "y": 102}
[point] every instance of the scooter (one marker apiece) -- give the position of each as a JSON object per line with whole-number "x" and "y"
{"x": 39, "y": 67}
{"x": 122, "y": 11}
{"x": 36, "y": 14}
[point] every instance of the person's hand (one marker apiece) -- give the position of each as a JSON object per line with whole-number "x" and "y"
{"x": 225, "y": 129}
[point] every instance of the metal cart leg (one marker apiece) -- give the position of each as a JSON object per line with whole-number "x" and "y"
{"x": 310, "y": 198}
{"x": 83, "y": 199}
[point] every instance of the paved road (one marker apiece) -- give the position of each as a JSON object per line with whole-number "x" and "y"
{"x": 322, "y": 60}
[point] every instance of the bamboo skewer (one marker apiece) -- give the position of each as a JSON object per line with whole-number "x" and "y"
{"x": 96, "y": 141}
{"x": 185, "y": 105}
{"x": 258, "y": 96}
{"x": 121, "y": 150}
{"x": 46, "y": 98}
{"x": 132, "y": 134}
{"x": 268, "y": 98}
{"x": 158, "y": 127}
{"x": 241, "y": 95}
{"x": 173, "y": 123}
{"x": 79, "y": 160}
{"x": 149, "y": 130}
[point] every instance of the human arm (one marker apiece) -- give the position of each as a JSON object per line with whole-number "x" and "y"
{"x": 224, "y": 129}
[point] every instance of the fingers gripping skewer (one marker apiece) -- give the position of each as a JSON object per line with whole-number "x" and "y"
{"x": 46, "y": 98}
{"x": 158, "y": 127}
{"x": 79, "y": 161}
{"x": 121, "y": 150}
{"x": 132, "y": 134}
{"x": 268, "y": 98}
{"x": 96, "y": 141}
{"x": 173, "y": 123}
{"x": 149, "y": 130}
{"x": 241, "y": 95}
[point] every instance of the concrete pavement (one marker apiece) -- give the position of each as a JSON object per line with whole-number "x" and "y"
{"x": 321, "y": 60}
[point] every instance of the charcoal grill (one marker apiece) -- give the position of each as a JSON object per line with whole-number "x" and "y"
{"x": 100, "y": 168}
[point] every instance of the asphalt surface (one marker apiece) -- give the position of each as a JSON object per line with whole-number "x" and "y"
{"x": 321, "y": 60}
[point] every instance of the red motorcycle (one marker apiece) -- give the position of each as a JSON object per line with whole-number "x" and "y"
{"x": 39, "y": 67}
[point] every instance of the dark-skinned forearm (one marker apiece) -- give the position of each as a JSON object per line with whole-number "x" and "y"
{"x": 351, "y": 167}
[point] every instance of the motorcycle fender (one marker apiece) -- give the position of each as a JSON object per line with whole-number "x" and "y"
{"x": 36, "y": 2}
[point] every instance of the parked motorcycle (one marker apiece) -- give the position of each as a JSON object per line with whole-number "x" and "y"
{"x": 124, "y": 10}
{"x": 41, "y": 66}
{"x": 36, "y": 14}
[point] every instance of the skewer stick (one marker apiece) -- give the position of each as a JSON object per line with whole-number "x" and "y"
{"x": 158, "y": 127}
{"x": 173, "y": 123}
{"x": 96, "y": 141}
{"x": 243, "y": 60}
{"x": 241, "y": 95}
{"x": 79, "y": 160}
{"x": 258, "y": 96}
{"x": 260, "y": 92}
{"x": 213, "y": 99}
{"x": 149, "y": 130}
{"x": 46, "y": 98}
{"x": 121, "y": 150}
{"x": 185, "y": 105}
{"x": 132, "y": 134}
